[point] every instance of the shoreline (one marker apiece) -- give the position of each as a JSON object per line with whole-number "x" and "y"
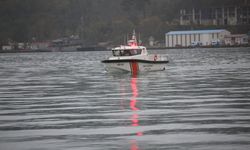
{"x": 159, "y": 48}
{"x": 150, "y": 48}
{"x": 24, "y": 51}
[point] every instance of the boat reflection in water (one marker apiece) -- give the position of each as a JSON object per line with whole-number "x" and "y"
{"x": 135, "y": 109}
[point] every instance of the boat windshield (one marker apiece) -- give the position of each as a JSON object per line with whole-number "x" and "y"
{"x": 127, "y": 52}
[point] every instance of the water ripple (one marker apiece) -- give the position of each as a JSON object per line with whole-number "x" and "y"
{"x": 68, "y": 101}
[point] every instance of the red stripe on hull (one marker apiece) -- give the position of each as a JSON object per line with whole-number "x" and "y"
{"x": 134, "y": 68}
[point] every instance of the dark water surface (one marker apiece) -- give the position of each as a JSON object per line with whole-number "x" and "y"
{"x": 66, "y": 101}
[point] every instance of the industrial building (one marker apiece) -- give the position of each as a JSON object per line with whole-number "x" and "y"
{"x": 195, "y": 38}
{"x": 226, "y": 15}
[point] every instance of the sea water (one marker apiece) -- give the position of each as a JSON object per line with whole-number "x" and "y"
{"x": 67, "y": 101}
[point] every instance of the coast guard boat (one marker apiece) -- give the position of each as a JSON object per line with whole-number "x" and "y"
{"x": 134, "y": 58}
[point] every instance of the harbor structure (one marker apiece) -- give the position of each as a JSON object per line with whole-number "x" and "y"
{"x": 224, "y": 15}
{"x": 236, "y": 39}
{"x": 195, "y": 38}
{"x": 7, "y": 47}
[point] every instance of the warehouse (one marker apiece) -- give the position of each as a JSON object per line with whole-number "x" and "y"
{"x": 195, "y": 37}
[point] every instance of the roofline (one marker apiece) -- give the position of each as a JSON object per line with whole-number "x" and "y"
{"x": 128, "y": 47}
{"x": 235, "y": 35}
{"x": 195, "y": 31}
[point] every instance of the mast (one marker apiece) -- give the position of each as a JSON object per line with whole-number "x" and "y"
{"x": 133, "y": 41}
{"x": 139, "y": 40}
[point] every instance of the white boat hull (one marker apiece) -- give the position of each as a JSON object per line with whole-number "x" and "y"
{"x": 135, "y": 66}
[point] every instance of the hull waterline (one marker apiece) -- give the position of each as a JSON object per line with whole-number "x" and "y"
{"x": 134, "y": 66}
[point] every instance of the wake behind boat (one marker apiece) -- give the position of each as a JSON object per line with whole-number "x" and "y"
{"x": 134, "y": 58}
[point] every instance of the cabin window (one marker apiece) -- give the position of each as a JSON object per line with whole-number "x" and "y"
{"x": 116, "y": 53}
{"x": 130, "y": 52}
{"x": 135, "y": 51}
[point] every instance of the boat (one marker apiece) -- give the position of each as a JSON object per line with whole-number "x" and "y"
{"x": 134, "y": 58}
{"x": 67, "y": 44}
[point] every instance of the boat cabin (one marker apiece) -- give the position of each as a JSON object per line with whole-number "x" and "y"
{"x": 131, "y": 49}
{"x": 126, "y": 52}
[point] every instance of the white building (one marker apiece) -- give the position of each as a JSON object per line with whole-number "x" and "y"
{"x": 189, "y": 38}
{"x": 39, "y": 45}
{"x": 236, "y": 39}
{"x": 7, "y": 47}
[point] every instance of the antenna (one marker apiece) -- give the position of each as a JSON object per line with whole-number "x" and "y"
{"x": 139, "y": 40}
{"x": 127, "y": 38}
{"x": 124, "y": 39}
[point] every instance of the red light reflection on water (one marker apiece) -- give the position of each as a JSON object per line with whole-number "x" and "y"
{"x": 134, "y": 145}
{"x": 133, "y": 105}
{"x": 135, "y": 117}
{"x": 135, "y": 121}
{"x": 133, "y": 85}
{"x": 133, "y": 102}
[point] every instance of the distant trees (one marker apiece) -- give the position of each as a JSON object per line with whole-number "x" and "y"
{"x": 211, "y": 3}
{"x": 93, "y": 20}
{"x": 151, "y": 26}
{"x": 132, "y": 7}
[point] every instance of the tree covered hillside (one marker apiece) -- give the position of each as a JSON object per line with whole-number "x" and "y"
{"x": 93, "y": 20}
